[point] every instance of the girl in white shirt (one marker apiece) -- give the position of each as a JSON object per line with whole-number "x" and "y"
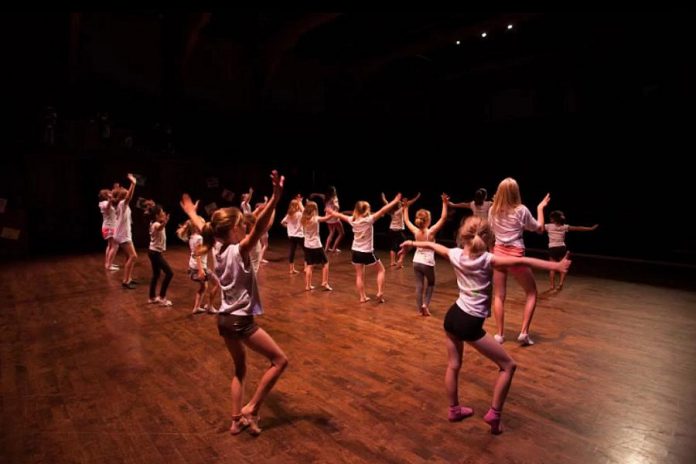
{"x": 479, "y": 206}
{"x": 557, "y": 247}
{"x": 424, "y": 258}
{"x": 108, "y": 228}
{"x": 336, "y": 232}
{"x": 198, "y": 270}
{"x": 123, "y": 234}
{"x": 509, "y": 218}
{"x": 396, "y": 231}
{"x": 363, "y": 250}
{"x": 314, "y": 253}
{"x": 158, "y": 245}
{"x": 473, "y": 266}
{"x": 291, "y": 221}
{"x": 226, "y": 234}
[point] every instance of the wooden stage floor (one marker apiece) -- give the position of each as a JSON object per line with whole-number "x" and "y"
{"x": 90, "y": 373}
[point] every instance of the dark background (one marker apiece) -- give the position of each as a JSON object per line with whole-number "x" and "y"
{"x": 595, "y": 108}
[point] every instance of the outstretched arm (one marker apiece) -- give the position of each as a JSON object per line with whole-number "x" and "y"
{"x": 507, "y": 261}
{"x": 464, "y": 204}
{"x": 436, "y": 247}
{"x": 582, "y": 228}
{"x": 341, "y": 216}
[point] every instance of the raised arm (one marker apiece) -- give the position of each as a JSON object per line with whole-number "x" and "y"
{"x": 260, "y": 207}
{"x": 265, "y": 217}
{"x": 387, "y": 207}
{"x": 443, "y": 216}
{"x": 413, "y": 200}
{"x": 190, "y": 208}
{"x": 131, "y": 189}
{"x": 407, "y": 221}
{"x": 540, "y": 212}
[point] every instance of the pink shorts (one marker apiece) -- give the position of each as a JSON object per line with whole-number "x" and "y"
{"x": 510, "y": 250}
{"x": 107, "y": 232}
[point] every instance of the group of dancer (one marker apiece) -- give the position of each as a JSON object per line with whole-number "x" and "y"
{"x": 489, "y": 247}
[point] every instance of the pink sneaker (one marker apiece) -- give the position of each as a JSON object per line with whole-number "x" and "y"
{"x": 493, "y": 419}
{"x": 457, "y": 413}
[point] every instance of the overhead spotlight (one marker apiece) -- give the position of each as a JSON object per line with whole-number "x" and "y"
{"x": 484, "y": 34}
{"x": 458, "y": 42}
{"x": 509, "y": 26}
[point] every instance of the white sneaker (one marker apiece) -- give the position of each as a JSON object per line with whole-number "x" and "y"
{"x": 165, "y": 302}
{"x": 524, "y": 339}
{"x": 499, "y": 338}
{"x": 198, "y": 311}
{"x": 154, "y": 300}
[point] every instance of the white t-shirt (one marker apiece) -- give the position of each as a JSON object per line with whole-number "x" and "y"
{"x": 240, "y": 295}
{"x": 158, "y": 238}
{"x": 475, "y": 282}
{"x": 363, "y": 234}
{"x": 397, "y": 219}
{"x": 255, "y": 256}
{"x": 556, "y": 234}
{"x": 481, "y": 210}
{"x": 195, "y": 240}
{"x": 424, "y": 255}
{"x": 311, "y": 234}
{"x": 108, "y": 215}
{"x": 123, "y": 233}
{"x": 293, "y": 224}
{"x": 246, "y": 207}
{"x": 332, "y": 205}
{"x": 508, "y": 229}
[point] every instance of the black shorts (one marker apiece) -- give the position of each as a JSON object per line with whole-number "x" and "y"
{"x": 360, "y": 257}
{"x": 557, "y": 253}
{"x": 315, "y": 256}
{"x": 464, "y": 326}
{"x": 396, "y": 238}
{"x": 232, "y": 326}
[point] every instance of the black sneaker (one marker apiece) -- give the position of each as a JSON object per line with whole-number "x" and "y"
{"x": 130, "y": 285}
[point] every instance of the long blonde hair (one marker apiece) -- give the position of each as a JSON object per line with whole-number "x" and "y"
{"x": 507, "y": 197}
{"x": 475, "y": 234}
{"x": 294, "y": 207}
{"x": 362, "y": 209}
{"x": 221, "y": 222}
{"x": 309, "y": 212}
